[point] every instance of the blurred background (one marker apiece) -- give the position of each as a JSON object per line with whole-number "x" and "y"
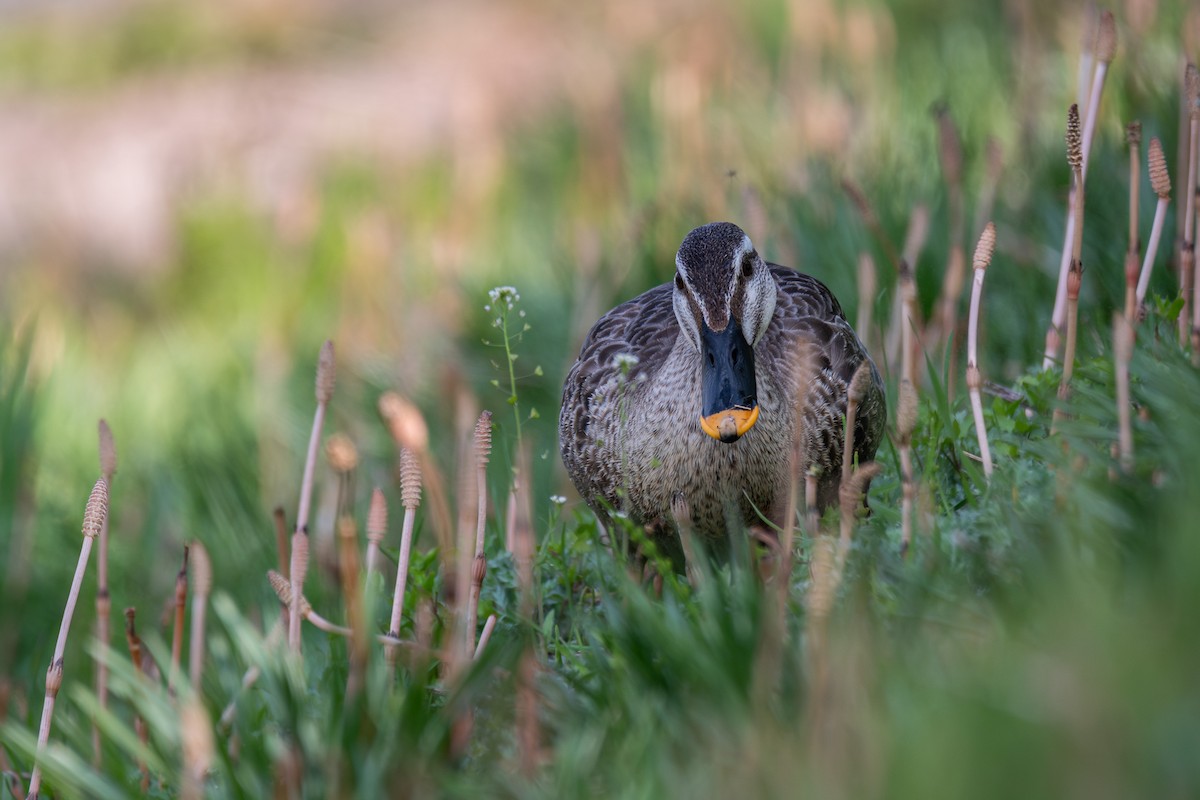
{"x": 194, "y": 196}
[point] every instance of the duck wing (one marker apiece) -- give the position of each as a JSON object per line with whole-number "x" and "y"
{"x": 806, "y": 311}
{"x": 645, "y": 328}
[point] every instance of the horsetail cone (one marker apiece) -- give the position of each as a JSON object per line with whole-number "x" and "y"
{"x": 283, "y": 590}
{"x": 97, "y": 509}
{"x": 1160, "y": 179}
{"x": 483, "y": 437}
{"x": 377, "y": 515}
{"x": 410, "y": 479}
{"x": 1074, "y": 139}
{"x": 985, "y": 248}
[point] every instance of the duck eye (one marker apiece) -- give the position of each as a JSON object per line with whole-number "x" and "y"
{"x": 748, "y": 265}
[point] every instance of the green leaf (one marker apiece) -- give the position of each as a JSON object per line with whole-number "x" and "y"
{"x": 1171, "y": 312}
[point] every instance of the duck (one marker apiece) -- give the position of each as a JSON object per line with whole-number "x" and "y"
{"x": 697, "y": 390}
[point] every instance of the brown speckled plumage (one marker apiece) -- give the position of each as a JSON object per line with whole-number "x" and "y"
{"x": 630, "y": 438}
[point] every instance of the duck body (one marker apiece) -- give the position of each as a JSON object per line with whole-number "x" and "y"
{"x": 632, "y": 427}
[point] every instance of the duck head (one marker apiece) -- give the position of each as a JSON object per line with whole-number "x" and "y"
{"x": 724, "y": 298}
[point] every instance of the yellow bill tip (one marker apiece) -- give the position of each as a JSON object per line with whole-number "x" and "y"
{"x": 729, "y": 425}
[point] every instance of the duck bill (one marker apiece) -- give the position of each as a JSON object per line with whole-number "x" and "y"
{"x": 729, "y": 394}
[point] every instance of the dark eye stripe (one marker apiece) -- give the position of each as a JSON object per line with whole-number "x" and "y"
{"x": 748, "y": 264}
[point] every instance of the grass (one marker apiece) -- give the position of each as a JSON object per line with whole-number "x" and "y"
{"x": 1034, "y": 639}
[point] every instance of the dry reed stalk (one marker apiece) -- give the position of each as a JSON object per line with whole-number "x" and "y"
{"x": 855, "y": 392}
{"x": 1160, "y": 181}
{"x": 902, "y": 314}
{"x": 1186, "y": 251}
{"x": 470, "y": 569}
{"x": 828, "y": 565}
{"x": 410, "y": 497}
{"x": 819, "y": 602}
{"x": 768, "y": 665}
{"x": 282, "y": 553}
{"x": 1196, "y": 304}
{"x": 1122, "y": 355}
{"x": 409, "y": 431}
{"x": 348, "y": 571}
{"x": 326, "y": 377}
{"x": 488, "y": 627}
{"x": 983, "y": 258}
{"x": 1183, "y": 139}
{"x": 483, "y": 448}
{"x": 1131, "y": 276}
{"x": 139, "y": 724}
{"x": 811, "y": 519}
{"x": 202, "y": 579}
{"x": 108, "y": 468}
{"x": 1133, "y": 137}
{"x": 1075, "y": 275}
{"x": 179, "y": 606}
{"x": 851, "y": 492}
{"x": 304, "y": 610}
{"x": 298, "y": 567}
{"x": 423, "y": 620}
{"x": 951, "y": 158}
{"x": 915, "y": 235}
{"x": 279, "y": 517}
{"x": 376, "y": 528}
{"x": 823, "y": 588}
{"x": 868, "y": 285}
{"x": 93, "y": 521}
{"x": 910, "y": 320}
{"x": 526, "y": 717}
{"x": 1087, "y": 52}
{"x": 342, "y": 456}
{"x": 1105, "y": 50}
{"x": 1074, "y": 281}
{"x": 906, "y": 423}
{"x": 1191, "y": 293}
{"x": 196, "y": 740}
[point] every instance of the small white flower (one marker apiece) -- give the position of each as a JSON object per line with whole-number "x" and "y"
{"x": 505, "y": 294}
{"x": 625, "y": 361}
{"x": 558, "y": 499}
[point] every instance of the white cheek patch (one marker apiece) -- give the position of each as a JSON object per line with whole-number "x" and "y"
{"x": 759, "y": 306}
{"x": 687, "y": 321}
